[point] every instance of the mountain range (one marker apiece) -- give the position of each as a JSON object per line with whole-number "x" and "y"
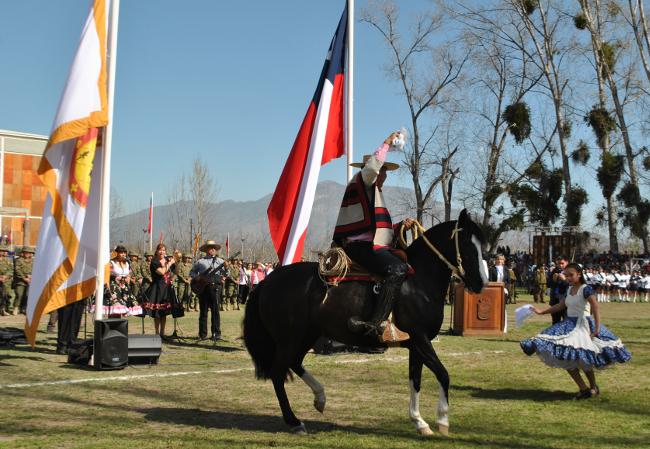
{"x": 242, "y": 218}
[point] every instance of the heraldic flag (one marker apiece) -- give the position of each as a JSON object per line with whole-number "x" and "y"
{"x": 65, "y": 263}
{"x": 319, "y": 140}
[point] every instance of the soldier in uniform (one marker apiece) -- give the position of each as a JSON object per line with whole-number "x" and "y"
{"x": 134, "y": 286}
{"x": 513, "y": 279}
{"x": 184, "y": 279}
{"x": 232, "y": 285}
{"x": 6, "y": 274}
{"x": 539, "y": 284}
{"x": 145, "y": 271}
{"x": 22, "y": 278}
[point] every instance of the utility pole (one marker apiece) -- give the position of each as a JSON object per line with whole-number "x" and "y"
{"x": 242, "y": 247}
{"x": 191, "y": 233}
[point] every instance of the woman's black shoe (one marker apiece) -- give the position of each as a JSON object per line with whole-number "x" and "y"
{"x": 584, "y": 394}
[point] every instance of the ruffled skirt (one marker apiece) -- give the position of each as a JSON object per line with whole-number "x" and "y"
{"x": 160, "y": 300}
{"x": 567, "y": 345}
{"x": 119, "y": 301}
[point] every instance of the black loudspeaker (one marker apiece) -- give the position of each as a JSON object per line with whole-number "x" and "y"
{"x": 111, "y": 349}
{"x": 144, "y": 349}
{"x": 80, "y": 352}
{"x": 327, "y": 346}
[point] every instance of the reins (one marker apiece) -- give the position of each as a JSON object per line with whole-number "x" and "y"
{"x": 458, "y": 272}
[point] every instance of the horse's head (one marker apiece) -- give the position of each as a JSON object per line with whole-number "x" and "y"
{"x": 470, "y": 241}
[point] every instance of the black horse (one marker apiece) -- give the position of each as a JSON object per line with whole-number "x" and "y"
{"x": 289, "y": 311}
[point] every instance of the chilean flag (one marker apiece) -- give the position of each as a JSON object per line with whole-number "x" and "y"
{"x": 150, "y": 214}
{"x": 319, "y": 140}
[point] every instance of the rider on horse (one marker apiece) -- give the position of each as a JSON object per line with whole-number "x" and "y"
{"x": 365, "y": 229}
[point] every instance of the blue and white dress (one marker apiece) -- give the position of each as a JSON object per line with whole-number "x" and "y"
{"x": 567, "y": 344}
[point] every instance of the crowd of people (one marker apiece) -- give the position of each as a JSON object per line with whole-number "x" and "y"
{"x": 614, "y": 277}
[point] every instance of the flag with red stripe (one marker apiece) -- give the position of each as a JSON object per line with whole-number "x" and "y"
{"x": 150, "y": 214}
{"x": 319, "y": 140}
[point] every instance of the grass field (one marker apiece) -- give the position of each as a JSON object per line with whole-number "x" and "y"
{"x": 204, "y": 395}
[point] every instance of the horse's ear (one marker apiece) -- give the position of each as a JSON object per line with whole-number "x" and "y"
{"x": 463, "y": 218}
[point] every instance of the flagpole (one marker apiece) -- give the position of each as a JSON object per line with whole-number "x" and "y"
{"x": 350, "y": 86}
{"x": 151, "y": 236}
{"x": 103, "y": 251}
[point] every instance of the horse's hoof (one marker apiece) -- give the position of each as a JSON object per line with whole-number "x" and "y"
{"x": 299, "y": 430}
{"x": 425, "y": 431}
{"x": 320, "y": 406}
{"x": 444, "y": 430}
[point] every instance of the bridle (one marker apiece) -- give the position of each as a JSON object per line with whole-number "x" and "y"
{"x": 458, "y": 272}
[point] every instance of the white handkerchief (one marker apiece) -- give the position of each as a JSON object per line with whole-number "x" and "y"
{"x": 398, "y": 143}
{"x": 523, "y": 312}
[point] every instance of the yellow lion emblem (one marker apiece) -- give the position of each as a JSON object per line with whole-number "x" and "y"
{"x": 81, "y": 167}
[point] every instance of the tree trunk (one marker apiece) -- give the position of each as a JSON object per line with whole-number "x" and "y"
{"x": 604, "y": 144}
{"x": 629, "y": 154}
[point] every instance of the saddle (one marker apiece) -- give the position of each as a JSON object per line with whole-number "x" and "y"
{"x": 358, "y": 273}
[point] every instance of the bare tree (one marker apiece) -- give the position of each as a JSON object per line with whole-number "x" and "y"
{"x": 115, "y": 213}
{"x": 623, "y": 91}
{"x": 426, "y": 74}
{"x": 193, "y": 196}
{"x": 204, "y": 192}
{"x": 595, "y": 19}
{"x": 178, "y": 212}
{"x": 538, "y": 30}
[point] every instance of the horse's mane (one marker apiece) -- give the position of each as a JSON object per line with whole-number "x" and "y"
{"x": 446, "y": 228}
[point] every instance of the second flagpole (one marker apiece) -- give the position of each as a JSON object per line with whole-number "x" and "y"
{"x": 349, "y": 149}
{"x": 103, "y": 254}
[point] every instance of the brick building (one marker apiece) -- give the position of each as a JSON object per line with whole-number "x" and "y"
{"x": 23, "y": 194}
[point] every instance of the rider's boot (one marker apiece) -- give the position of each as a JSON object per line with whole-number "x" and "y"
{"x": 390, "y": 292}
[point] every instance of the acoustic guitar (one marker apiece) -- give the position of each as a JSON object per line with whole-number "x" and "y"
{"x": 198, "y": 286}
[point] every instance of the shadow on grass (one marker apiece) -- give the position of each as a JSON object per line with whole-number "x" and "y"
{"x": 516, "y": 394}
{"x": 207, "y": 345}
{"x": 252, "y": 422}
{"x": 16, "y": 357}
{"x": 39, "y": 349}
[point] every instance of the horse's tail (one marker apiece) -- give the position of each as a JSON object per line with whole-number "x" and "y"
{"x": 258, "y": 340}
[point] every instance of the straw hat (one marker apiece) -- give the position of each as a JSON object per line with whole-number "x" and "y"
{"x": 209, "y": 244}
{"x": 389, "y": 165}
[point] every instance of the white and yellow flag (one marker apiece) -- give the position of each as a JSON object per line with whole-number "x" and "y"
{"x": 65, "y": 263}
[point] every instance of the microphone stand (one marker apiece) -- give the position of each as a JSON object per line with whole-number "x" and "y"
{"x": 174, "y": 335}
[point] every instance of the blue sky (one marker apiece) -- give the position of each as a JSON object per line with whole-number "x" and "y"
{"x": 229, "y": 80}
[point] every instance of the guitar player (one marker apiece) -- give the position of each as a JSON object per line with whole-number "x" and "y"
{"x": 209, "y": 297}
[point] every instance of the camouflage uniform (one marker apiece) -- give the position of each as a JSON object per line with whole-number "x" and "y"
{"x": 232, "y": 287}
{"x": 22, "y": 269}
{"x": 6, "y": 269}
{"x": 185, "y": 295}
{"x": 145, "y": 272}
{"x": 513, "y": 279}
{"x": 539, "y": 284}
{"x": 134, "y": 286}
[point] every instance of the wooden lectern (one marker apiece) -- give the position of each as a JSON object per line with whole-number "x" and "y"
{"x": 479, "y": 315}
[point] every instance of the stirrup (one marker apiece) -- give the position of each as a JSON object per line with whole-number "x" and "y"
{"x": 387, "y": 332}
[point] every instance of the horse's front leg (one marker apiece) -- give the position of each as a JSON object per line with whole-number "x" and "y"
{"x": 415, "y": 378}
{"x": 431, "y": 360}
{"x": 316, "y": 387}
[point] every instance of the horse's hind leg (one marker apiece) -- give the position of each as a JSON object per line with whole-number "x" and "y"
{"x": 283, "y": 360}
{"x": 415, "y": 378}
{"x": 431, "y": 360}
{"x": 299, "y": 369}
